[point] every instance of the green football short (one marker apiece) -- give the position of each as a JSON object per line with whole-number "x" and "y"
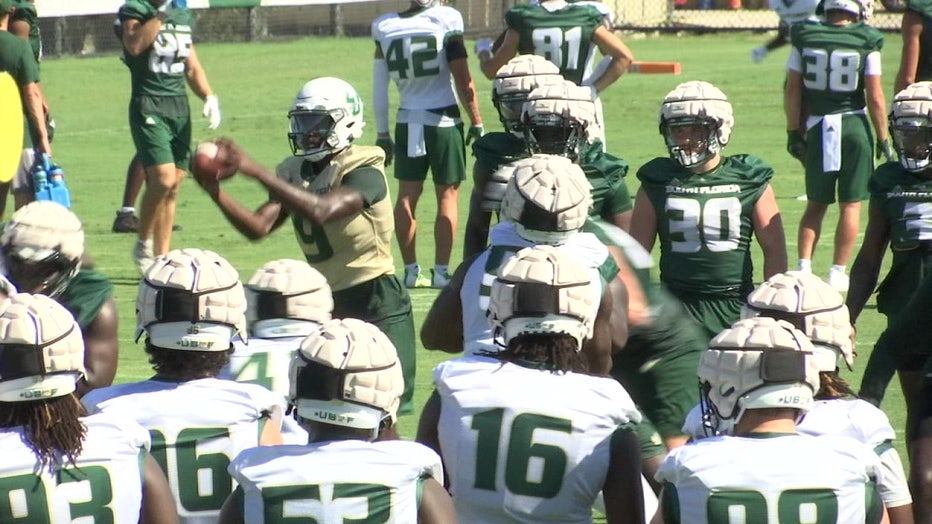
{"x": 857, "y": 163}
{"x": 446, "y": 155}
{"x": 384, "y": 302}
{"x": 161, "y": 129}
{"x": 658, "y": 369}
{"x": 714, "y": 314}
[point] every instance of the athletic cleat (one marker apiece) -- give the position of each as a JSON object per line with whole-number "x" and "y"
{"x": 439, "y": 280}
{"x": 838, "y": 280}
{"x": 125, "y": 222}
{"x": 416, "y": 279}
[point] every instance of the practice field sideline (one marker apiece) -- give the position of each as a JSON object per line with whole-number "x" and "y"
{"x": 257, "y": 82}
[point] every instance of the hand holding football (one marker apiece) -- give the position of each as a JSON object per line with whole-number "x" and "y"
{"x": 208, "y": 162}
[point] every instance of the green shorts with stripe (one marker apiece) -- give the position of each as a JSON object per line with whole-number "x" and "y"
{"x": 384, "y": 302}
{"x": 446, "y": 155}
{"x": 161, "y": 128}
{"x": 857, "y": 163}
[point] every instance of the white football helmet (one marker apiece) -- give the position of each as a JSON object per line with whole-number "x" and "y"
{"x": 42, "y": 246}
{"x": 559, "y": 119}
{"x": 794, "y": 11}
{"x": 515, "y": 81}
{"x": 326, "y": 117}
{"x": 759, "y": 362}
{"x": 911, "y": 126}
{"x": 191, "y": 299}
{"x": 811, "y": 306}
{"x": 547, "y": 198}
{"x": 691, "y": 105}
{"x": 347, "y": 373}
{"x": 864, "y": 9}
{"x": 41, "y": 349}
{"x": 543, "y": 290}
{"x": 287, "y": 298}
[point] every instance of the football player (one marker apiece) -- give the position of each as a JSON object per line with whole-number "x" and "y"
{"x": 897, "y": 216}
{"x": 159, "y": 52}
{"x": 510, "y": 88}
{"x": 487, "y": 407}
{"x": 546, "y": 202}
{"x": 916, "y": 54}
{"x": 190, "y": 305}
{"x": 345, "y": 389}
{"x": 41, "y": 251}
{"x": 92, "y": 467}
{"x": 24, "y": 23}
{"x": 791, "y": 12}
{"x": 336, "y": 194}
{"x": 760, "y": 375}
{"x": 834, "y": 70}
{"x": 705, "y": 207}
{"x": 18, "y": 60}
{"x": 818, "y": 310}
{"x": 422, "y": 51}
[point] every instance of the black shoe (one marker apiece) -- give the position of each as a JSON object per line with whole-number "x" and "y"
{"x": 125, "y": 222}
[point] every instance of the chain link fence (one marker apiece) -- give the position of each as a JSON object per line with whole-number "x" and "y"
{"x": 88, "y": 35}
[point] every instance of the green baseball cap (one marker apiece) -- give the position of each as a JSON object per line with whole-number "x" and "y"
{"x": 6, "y": 6}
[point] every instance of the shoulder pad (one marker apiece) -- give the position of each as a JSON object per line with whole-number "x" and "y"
{"x": 658, "y": 171}
{"x": 887, "y": 175}
{"x": 923, "y": 7}
{"x": 871, "y": 422}
{"x": 751, "y": 167}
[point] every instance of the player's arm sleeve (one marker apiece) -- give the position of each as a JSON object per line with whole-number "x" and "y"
{"x": 369, "y": 182}
{"x": 795, "y": 61}
{"x": 872, "y": 64}
{"x": 893, "y": 489}
{"x": 455, "y": 47}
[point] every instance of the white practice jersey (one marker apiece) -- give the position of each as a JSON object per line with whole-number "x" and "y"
{"x": 104, "y": 484}
{"x": 853, "y": 418}
{"x": 197, "y": 428}
{"x": 338, "y": 481}
{"x": 265, "y": 361}
{"x": 415, "y": 49}
{"x": 477, "y": 284}
{"x": 526, "y": 445}
{"x": 721, "y": 480}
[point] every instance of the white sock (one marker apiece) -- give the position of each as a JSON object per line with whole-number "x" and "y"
{"x": 837, "y": 269}
{"x": 443, "y": 269}
{"x": 128, "y": 210}
{"x": 414, "y": 268}
{"x": 804, "y": 264}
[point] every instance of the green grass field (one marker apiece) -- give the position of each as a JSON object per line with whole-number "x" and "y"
{"x": 256, "y": 84}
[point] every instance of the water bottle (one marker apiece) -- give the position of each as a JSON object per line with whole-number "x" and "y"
{"x": 58, "y": 190}
{"x": 40, "y": 180}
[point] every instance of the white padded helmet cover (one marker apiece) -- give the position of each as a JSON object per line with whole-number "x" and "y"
{"x": 41, "y": 228}
{"x": 577, "y": 297}
{"x": 700, "y": 99}
{"x": 221, "y": 301}
{"x": 305, "y": 290}
{"x": 40, "y": 321}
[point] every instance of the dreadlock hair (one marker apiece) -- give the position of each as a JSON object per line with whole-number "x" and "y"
{"x": 50, "y": 426}
{"x": 832, "y": 386}
{"x": 556, "y": 352}
{"x": 183, "y": 365}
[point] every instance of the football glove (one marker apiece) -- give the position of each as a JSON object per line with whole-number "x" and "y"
{"x": 758, "y": 54}
{"x": 475, "y": 132}
{"x": 483, "y": 45}
{"x": 385, "y": 142}
{"x": 796, "y": 145}
{"x": 212, "y": 111}
{"x": 885, "y": 151}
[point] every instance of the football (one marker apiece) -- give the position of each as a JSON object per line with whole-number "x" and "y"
{"x": 205, "y": 162}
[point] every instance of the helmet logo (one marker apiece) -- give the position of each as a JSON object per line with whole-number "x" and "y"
{"x": 354, "y": 103}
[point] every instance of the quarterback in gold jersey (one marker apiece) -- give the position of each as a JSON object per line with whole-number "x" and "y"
{"x": 336, "y": 195}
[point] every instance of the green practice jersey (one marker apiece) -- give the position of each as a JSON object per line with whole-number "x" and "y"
{"x": 26, "y": 12}
{"x": 496, "y": 149}
{"x": 906, "y": 202}
{"x": 924, "y": 9}
{"x": 563, "y": 36}
{"x": 160, "y": 69}
{"x": 85, "y": 295}
{"x": 606, "y": 174}
{"x": 704, "y": 223}
{"x": 832, "y": 64}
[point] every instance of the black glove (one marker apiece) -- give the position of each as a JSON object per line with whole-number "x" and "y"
{"x": 388, "y": 146}
{"x": 796, "y": 145}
